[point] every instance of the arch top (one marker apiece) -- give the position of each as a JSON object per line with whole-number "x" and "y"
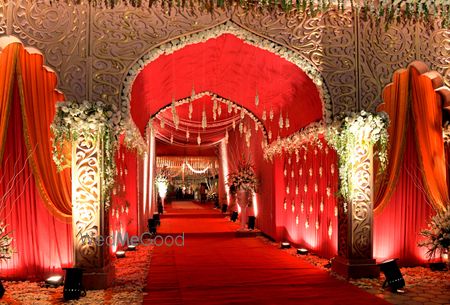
{"x": 236, "y": 64}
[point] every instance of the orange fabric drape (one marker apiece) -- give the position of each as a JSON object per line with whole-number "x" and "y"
{"x": 38, "y": 99}
{"x": 396, "y": 97}
{"x": 413, "y": 90}
{"x": 8, "y": 58}
{"x": 427, "y": 114}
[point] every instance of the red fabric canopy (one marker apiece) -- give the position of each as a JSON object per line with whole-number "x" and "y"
{"x": 235, "y": 70}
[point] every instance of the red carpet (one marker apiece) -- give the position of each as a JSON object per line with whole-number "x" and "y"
{"x": 228, "y": 270}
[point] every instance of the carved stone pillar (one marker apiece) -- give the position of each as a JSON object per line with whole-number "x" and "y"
{"x": 355, "y": 220}
{"x": 89, "y": 216}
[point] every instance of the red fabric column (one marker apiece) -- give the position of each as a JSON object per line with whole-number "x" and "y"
{"x": 43, "y": 244}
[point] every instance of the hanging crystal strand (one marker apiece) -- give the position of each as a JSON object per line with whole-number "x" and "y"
{"x": 192, "y": 92}
{"x": 281, "y": 121}
{"x": 242, "y": 113}
{"x": 226, "y": 136}
{"x": 229, "y": 107}
{"x": 241, "y": 127}
{"x": 264, "y": 114}
{"x": 330, "y": 230}
{"x": 187, "y": 134}
{"x": 162, "y": 123}
{"x": 214, "y": 108}
{"x": 235, "y": 109}
{"x": 204, "y": 123}
{"x": 234, "y": 125}
{"x": 191, "y": 109}
{"x": 171, "y": 138}
{"x": 288, "y": 123}
{"x": 256, "y": 126}
{"x": 270, "y": 134}
{"x": 271, "y": 113}
{"x": 219, "y": 109}
{"x": 199, "y": 139}
{"x": 256, "y": 99}
{"x": 296, "y": 220}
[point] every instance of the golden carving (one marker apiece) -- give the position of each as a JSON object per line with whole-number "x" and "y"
{"x": 3, "y": 8}
{"x": 361, "y": 205}
{"x": 59, "y": 32}
{"x": 121, "y": 36}
{"x": 382, "y": 51}
{"x": 327, "y": 41}
{"x": 87, "y": 203}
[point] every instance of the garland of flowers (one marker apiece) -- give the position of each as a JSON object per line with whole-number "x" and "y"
{"x": 344, "y": 134}
{"x": 244, "y": 178}
{"x": 249, "y": 38}
{"x": 133, "y": 139}
{"x": 390, "y": 10}
{"x": 94, "y": 121}
{"x": 309, "y": 134}
{"x": 438, "y": 233}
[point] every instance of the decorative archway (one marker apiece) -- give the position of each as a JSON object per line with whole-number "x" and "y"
{"x": 302, "y": 81}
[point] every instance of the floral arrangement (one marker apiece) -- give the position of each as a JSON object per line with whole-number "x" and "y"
{"x": 244, "y": 178}
{"x": 391, "y": 10}
{"x": 344, "y": 134}
{"x": 6, "y": 249}
{"x": 310, "y": 134}
{"x": 162, "y": 178}
{"x": 93, "y": 121}
{"x": 438, "y": 233}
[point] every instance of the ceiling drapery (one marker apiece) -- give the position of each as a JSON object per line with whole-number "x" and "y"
{"x": 261, "y": 81}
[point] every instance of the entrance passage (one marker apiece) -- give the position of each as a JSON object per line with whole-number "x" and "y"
{"x": 217, "y": 266}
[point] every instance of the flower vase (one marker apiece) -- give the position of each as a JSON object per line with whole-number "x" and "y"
{"x": 242, "y": 199}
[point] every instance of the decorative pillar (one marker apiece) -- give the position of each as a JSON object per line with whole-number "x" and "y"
{"x": 89, "y": 218}
{"x": 355, "y": 226}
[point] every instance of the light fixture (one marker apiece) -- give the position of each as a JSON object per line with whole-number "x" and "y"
{"x": 234, "y": 216}
{"x": 157, "y": 219}
{"x": 251, "y": 222}
{"x": 131, "y": 248}
{"x": 302, "y": 251}
{"x": 120, "y": 254}
{"x": 285, "y": 245}
{"x": 152, "y": 226}
{"x": 394, "y": 278}
{"x": 54, "y": 281}
{"x": 73, "y": 288}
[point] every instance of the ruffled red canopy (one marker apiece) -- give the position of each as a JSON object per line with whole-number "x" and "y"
{"x": 235, "y": 70}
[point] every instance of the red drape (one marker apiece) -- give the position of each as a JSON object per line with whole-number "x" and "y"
{"x": 308, "y": 218}
{"x": 43, "y": 244}
{"x": 124, "y": 210}
{"x": 397, "y": 226}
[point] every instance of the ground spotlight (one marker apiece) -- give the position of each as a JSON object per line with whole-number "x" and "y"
{"x": 54, "y": 281}
{"x": 224, "y": 208}
{"x": 131, "y": 248}
{"x": 73, "y": 287}
{"x": 152, "y": 226}
{"x": 120, "y": 254}
{"x": 285, "y": 245}
{"x": 394, "y": 278}
{"x": 302, "y": 251}
{"x": 251, "y": 222}
{"x": 234, "y": 216}
{"x": 157, "y": 219}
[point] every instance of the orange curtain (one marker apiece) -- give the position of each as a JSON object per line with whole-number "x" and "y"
{"x": 427, "y": 114}
{"x": 396, "y": 98}
{"x": 38, "y": 99}
{"x": 8, "y": 58}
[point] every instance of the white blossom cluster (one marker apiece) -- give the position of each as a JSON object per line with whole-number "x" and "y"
{"x": 438, "y": 233}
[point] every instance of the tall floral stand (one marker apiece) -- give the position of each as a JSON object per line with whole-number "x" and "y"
{"x": 242, "y": 198}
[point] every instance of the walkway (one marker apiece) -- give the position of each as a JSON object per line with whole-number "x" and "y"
{"x": 216, "y": 267}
